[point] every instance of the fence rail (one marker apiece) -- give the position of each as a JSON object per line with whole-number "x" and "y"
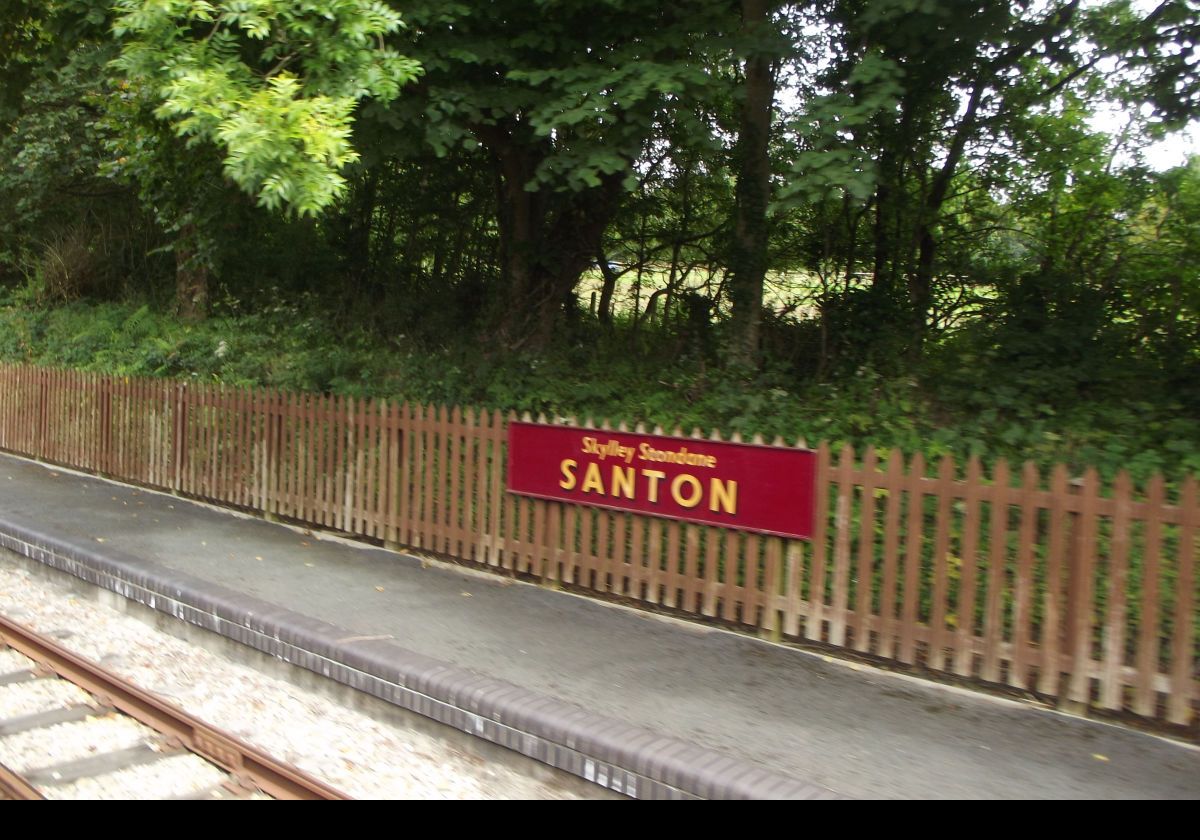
{"x": 1081, "y": 592}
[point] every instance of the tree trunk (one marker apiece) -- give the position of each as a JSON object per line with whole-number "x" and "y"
{"x": 748, "y": 265}
{"x": 571, "y": 235}
{"x": 607, "y": 289}
{"x": 548, "y": 240}
{"x": 920, "y": 286}
{"x": 883, "y": 282}
{"x": 358, "y": 237}
{"x": 191, "y": 275}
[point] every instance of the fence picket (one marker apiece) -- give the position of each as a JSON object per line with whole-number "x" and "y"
{"x": 891, "y": 549}
{"x": 864, "y": 580}
{"x": 913, "y": 541}
{"x": 964, "y": 659}
{"x": 993, "y": 619}
{"x": 1080, "y": 617}
{"x": 1148, "y": 655}
{"x": 937, "y": 658}
{"x": 1025, "y": 582}
{"x": 841, "y": 551}
{"x": 814, "y": 626}
{"x": 1183, "y": 643}
{"x": 1111, "y": 684}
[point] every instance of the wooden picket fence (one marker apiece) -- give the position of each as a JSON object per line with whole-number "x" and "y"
{"x": 1077, "y": 591}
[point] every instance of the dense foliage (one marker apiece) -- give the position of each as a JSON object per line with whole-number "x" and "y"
{"x": 892, "y": 221}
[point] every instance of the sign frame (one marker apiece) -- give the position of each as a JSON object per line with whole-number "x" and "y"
{"x": 791, "y": 470}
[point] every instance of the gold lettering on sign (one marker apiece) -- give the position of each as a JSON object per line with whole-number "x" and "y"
{"x": 686, "y": 501}
{"x": 591, "y": 480}
{"x": 686, "y": 490}
{"x": 654, "y": 476}
{"x": 722, "y": 496}
{"x": 622, "y": 482}
{"x": 568, "y": 472}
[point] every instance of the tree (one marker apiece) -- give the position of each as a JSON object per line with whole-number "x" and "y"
{"x": 561, "y": 96}
{"x": 273, "y": 83}
{"x": 748, "y": 259}
{"x": 61, "y": 220}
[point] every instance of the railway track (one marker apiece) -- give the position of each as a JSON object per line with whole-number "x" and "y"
{"x": 70, "y": 729}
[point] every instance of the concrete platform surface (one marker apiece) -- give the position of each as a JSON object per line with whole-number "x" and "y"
{"x": 826, "y": 724}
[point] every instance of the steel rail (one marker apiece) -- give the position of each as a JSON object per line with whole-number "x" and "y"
{"x": 248, "y": 765}
{"x": 14, "y": 786}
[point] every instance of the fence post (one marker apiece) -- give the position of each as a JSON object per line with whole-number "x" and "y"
{"x": 104, "y": 444}
{"x": 1183, "y": 643}
{"x": 273, "y": 410}
{"x": 814, "y": 623}
{"x": 178, "y": 430}
{"x": 395, "y": 448}
{"x": 43, "y": 392}
{"x": 1077, "y": 695}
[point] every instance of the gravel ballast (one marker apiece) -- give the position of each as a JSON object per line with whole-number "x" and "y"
{"x": 362, "y": 756}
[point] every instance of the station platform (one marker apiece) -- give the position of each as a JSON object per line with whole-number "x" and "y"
{"x": 645, "y": 705}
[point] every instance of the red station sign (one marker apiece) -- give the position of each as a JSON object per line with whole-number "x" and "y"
{"x": 768, "y": 489}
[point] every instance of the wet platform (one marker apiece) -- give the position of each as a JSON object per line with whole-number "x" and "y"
{"x": 644, "y": 705}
